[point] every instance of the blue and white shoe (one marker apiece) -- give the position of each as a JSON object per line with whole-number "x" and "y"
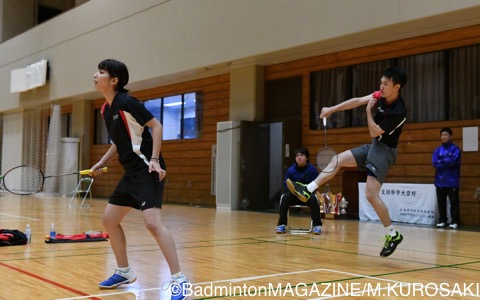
{"x": 317, "y": 230}
{"x": 281, "y": 229}
{"x": 118, "y": 278}
{"x": 179, "y": 287}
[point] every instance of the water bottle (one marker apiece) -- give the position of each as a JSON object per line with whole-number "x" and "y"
{"x": 53, "y": 233}
{"x": 28, "y": 233}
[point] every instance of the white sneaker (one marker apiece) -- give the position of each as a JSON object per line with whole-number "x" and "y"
{"x": 453, "y": 226}
{"x": 441, "y": 225}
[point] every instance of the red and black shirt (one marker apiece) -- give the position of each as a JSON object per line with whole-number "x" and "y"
{"x": 125, "y": 119}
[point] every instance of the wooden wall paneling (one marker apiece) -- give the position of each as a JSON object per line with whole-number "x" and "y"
{"x": 416, "y": 45}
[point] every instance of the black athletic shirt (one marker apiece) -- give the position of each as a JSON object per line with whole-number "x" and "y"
{"x": 125, "y": 120}
{"x": 390, "y": 117}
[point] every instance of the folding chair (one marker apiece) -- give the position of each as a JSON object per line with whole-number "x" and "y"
{"x": 300, "y": 230}
{"x": 84, "y": 187}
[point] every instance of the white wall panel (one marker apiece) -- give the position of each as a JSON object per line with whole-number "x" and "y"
{"x": 170, "y": 41}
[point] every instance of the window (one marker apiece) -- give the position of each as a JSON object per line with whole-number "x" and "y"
{"x": 441, "y": 86}
{"x": 154, "y": 106}
{"x": 180, "y": 115}
{"x": 172, "y": 117}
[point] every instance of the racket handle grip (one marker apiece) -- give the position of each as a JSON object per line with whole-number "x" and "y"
{"x": 89, "y": 171}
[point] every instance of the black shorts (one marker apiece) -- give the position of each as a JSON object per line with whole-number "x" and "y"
{"x": 139, "y": 190}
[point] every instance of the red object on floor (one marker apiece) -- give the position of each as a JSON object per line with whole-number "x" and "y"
{"x": 81, "y": 237}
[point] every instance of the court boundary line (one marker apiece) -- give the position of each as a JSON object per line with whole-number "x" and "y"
{"x": 249, "y": 278}
{"x": 48, "y": 281}
{"x": 19, "y": 217}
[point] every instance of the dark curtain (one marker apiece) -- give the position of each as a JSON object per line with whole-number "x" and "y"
{"x": 328, "y": 89}
{"x": 366, "y": 80}
{"x": 425, "y": 91}
{"x": 464, "y": 92}
{"x": 442, "y": 85}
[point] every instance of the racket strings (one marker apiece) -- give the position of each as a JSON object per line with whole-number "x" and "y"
{"x": 23, "y": 180}
{"x": 327, "y": 160}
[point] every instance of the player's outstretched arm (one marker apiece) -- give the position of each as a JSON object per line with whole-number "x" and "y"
{"x": 345, "y": 105}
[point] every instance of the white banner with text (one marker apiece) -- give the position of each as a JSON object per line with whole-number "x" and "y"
{"x": 406, "y": 202}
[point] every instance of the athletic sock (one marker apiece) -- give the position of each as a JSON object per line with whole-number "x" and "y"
{"x": 177, "y": 276}
{"x": 391, "y": 231}
{"x": 124, "y": 270}
{"x": 312, "y": 187}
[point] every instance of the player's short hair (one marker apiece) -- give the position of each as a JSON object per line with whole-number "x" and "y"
{"x": 303, "y": 151}
{"x": 447, "y": 130}
{"x": 116, "y": 69}
{"x": 397, "y": 75}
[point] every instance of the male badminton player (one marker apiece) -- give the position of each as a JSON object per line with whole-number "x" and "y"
{"x": 377, "y": 157}
{"x": 141, "y": 187}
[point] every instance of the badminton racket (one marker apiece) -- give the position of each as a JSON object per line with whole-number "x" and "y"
{"x": 26, "y": 179}
{"x": 327, "y": 159}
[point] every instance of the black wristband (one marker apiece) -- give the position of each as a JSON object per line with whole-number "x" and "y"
{"x": 155, "y": 159}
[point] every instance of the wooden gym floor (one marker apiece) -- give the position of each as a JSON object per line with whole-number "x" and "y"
{"x": 233, "y": 255}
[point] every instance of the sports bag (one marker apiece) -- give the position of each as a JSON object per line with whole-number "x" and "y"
{"x": 12, "y": 237}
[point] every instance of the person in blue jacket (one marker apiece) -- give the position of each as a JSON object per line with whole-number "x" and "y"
{"x": 447, "y": 159}
{"x": 301, "y": 171}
